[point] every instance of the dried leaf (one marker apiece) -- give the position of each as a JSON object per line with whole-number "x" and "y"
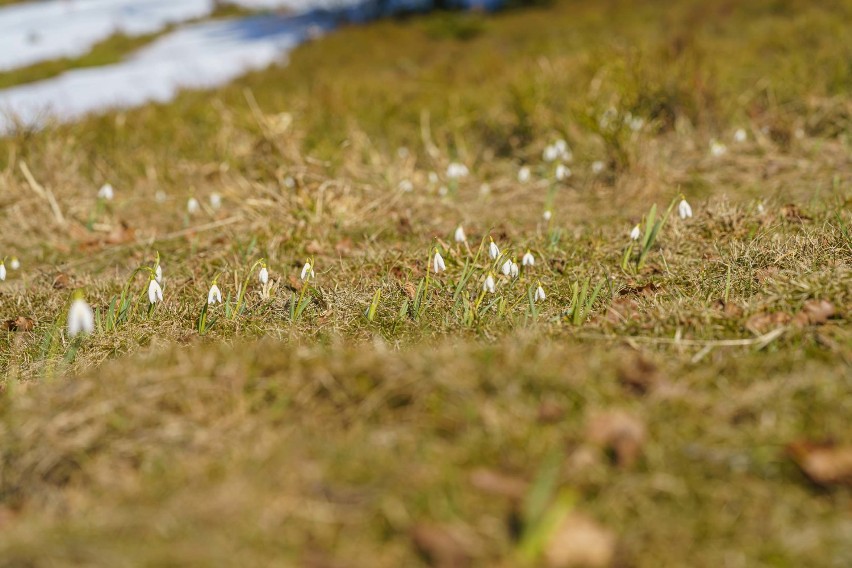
{"x": 618, "y": 432}
{"x": 441, "y": 546}
{"x": 61, "y": 281}
{"x": 121, "y": 234}
{"x": 410, "y": 290}
{"x": 825, "y": 463}
{"x": 814, "y": 312}
{"x": 580, "y": 541}
{"x": 638, "y": 374}
{"x": 550, "y": 412}
{"x": 496, "y": 483}
{"x": 763, "y": 322}
{"x": 20, "y": 323}
{"x": 647, "y": 290}
{"x": 791, "y": 212}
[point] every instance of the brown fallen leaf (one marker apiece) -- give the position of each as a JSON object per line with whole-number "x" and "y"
{"x": 121, "y": 234}
{"x": 496, "y": 483}
{"x": 580, "y": 542}
{"x": 825, "y": 463}
{"x": 61, "y": 281}
{"x": 618, "y": 432}
{"x": 20, "y": 323}
{"x": 550, "y": 412}
{"x": 763, "y": 322}
{"x": 410, "y": 290}
{"x": 648, "y": 290}
{"x": 791, "y": 212}
{"x": 440, "y": 545}
{"x": 814, "y": 312}
{"x": 639, "y": 374}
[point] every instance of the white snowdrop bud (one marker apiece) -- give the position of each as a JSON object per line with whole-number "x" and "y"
{"x": 635, "y": 233}
{"x": 263, "y": 275}
{"x": 506, "y": 269}
{"x": 550, "y": 153}
{"x": 406, "y": 186}
{"x": 740, "y": 135}
{"x": 14, "y": 263}
{"x": 215, "y": 201}
{"x": 81, "y": 318}
{"x": 547, "y": 214}
{"x": 562, "y": 172}
{"x": 514, "y": 270}
{"x": 524, "y": 174}
{"x": 155, "y": 292}
{"x": 717, "y": 149}
{"x": 459, "y": 235}
{"x": 158, "y": 273}
{"x": 307, "y": 271}
{"x": 2, "y": 270}
{"x": 598, "y": 167}
{"x": 488, "y": 285}
{"x": 456, "y": 170}
{"x": 684, "y": 210}
{"x": 214, "y": 295}
{"x": 192, "y": 206}
{"x": 106, "y": 192}
{"x": 539, "y": 293}
{"x": 493, "y": 250}
{"x": 438, "y": 265}
{"x": 528, "y": 259}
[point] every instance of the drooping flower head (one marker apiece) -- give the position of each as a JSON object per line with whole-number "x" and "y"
{"x": 263, "y": 275}
{"x": 192, "y": 206}
{"x": 438, "y": 265}
{"x": 528, "y": 259}
{"x": 539, "y": 293}
{"x": 459, "y": 235}
{"x": 14, "y": 263}
{"x": 635, "y": 233}
{"x": 308, "y": 270}
{"x": 155, "y": 292}
{"x": 106, "y": 192}
{"x": 493, "y": 249}
{"x": 488, "y": 285}
{"x": 215, "y": 201}
{"x": 2, "y": 270}
{"x": 684, "y": 210}
{"x": 81, "y": 318}
{"x": 214, "y": 295}
{"x": 524, "y": 174}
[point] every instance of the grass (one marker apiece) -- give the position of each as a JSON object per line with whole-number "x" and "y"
{"x": 300, "y": 430}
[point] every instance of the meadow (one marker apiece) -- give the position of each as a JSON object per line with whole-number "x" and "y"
{"x": 679, "y": 397}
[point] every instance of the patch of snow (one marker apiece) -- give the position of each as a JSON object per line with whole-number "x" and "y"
{"x": 198, "y": 56}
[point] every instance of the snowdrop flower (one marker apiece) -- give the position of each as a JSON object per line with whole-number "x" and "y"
{"x": 507, "y": 267}
{"x": 684, "y": 210}
{"x": 2, "y": 270}
{"x": 528, "y": 259}
{"x": 289, "y": 182}
{"x": 192, "y": 206}
{"x": 760, "y": 208}
{"x": 433, "y": 178}
{"x": 459, "y": 235}
{"x": 488, "y": 286}
{"x": 550, "y": 153}
{"x": 456, "y": 170}
{"x": 81, "y": 318}
{"x": 564, "y": 152}
{"x": 406, "y": 186}
{"x": 524, "y": 174}
{"x": 493, "y": 250}
{"x": 636, "y": 123}
{"x": 740, "y": 135}
{"x": 438, "y": 263}
{"x": 215, "y": 201}
{"x": 597, "y": 167}
{"x": 547, "y": 214}
{"x": 214, "y": 295}
{"x": 160, "y": 196}
{"x": 106, "y": 192}
{"x": 514, "y": 270}
{"x": 155, "y": 293}
{"x": 635, "y": 233}
{"x": 717, "y": 149}
{"x": 14, "y": 264}
{"x": 443, "y": 191}
{"x": 539, "y": 294}
{"x": 263, "y": 275}
{"x": 562, "y": 173}
{"x": 308, "y": 270}
{"x": 158, "y": 274}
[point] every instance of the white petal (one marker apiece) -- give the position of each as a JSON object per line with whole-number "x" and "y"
{"x": 263, "y": 276}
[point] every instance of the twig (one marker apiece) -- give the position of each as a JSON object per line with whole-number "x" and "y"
{"x": 761, "y": 341}
{"x": 44, "y": 193}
